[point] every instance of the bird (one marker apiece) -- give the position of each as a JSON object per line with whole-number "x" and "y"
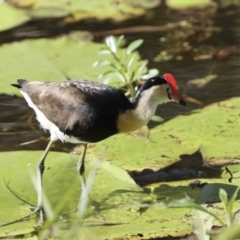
{"x": 83, "y": 111}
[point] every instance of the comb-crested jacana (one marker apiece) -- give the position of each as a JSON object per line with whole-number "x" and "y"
{"x": 85, "y": 112}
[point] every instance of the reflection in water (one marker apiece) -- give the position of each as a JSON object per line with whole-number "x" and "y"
{"x": 19, "y": 130}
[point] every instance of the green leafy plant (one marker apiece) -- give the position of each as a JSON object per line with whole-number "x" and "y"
{"x": 126, "y": 68}
{"x": 231, "y": 229}
{"x": 203, "y": 222}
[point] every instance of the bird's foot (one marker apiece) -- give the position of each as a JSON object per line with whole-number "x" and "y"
{"x": 34, "y": 209}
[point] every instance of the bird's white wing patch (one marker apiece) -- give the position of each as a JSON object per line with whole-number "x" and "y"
{"x": 47, "y": 124}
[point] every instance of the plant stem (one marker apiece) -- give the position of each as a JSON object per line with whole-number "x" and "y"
{"x": 127, "y": 79}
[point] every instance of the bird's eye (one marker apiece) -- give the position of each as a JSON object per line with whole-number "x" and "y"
{"x": 167, "y": 89}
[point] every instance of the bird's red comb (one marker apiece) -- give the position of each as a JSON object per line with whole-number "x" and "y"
{"x": 173, "y": 84}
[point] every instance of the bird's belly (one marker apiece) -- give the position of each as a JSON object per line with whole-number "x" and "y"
{"x": 55, "y": 132}
{"x": 48, "y": 125}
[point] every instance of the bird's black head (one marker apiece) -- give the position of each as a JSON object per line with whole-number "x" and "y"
{"x": 162, "y": 89}
{"x": 152, "y": 82}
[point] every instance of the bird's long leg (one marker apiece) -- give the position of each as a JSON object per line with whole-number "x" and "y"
{"x": 81, "y": 170}
{"x": 81, "y": 165}
{"x": 40, "y": 171}
{"x": 39, "y": 208}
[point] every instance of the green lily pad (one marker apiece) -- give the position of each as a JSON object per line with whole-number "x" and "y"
{"x": 83, "y": 9}
{"x": 48, "y": 60}
{"x": 171, "y": 218}
{"x": 184, "y": 4}
{"x": 116, "y": 196}
{"x": 210, "y": 192}
{"x": 155, "y": 222}
{"x": 205, "y": 129}
{"x": 118, "y": 207}
{"x": 144, "y": 3}
{"x": 11, "y": 17}
{"x": 16, "y": 12}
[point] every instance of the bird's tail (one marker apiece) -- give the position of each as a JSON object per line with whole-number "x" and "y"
{"x": 20, "y": 83}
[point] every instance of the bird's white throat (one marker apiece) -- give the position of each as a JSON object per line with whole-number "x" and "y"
{"x": 133, "y": 119}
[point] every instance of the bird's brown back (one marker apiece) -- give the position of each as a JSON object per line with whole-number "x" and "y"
{"x": 82, "y": 109}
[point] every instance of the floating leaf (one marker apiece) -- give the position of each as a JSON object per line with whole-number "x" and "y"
{"x": 49, "y": 12}
{"x": 49, "y": 60}
{"x": 182, "y": 135}
{"x": 18, "y": 12}
{"x": 184, "y": 4}
{"x": 117, "y": 197}
{"x": 11, "y": 17}
{"x": 191, "y": 203}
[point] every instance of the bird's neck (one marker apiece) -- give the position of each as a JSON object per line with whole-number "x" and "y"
{"x": 144, "y": 107}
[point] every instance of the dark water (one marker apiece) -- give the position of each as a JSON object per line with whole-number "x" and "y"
{"x": 18, "y": 127}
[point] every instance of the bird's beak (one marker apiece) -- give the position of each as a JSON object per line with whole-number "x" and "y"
{"x": 182, "y": 102}
{"x": 177, "y": 98}
{"x": 174, "y": 89}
